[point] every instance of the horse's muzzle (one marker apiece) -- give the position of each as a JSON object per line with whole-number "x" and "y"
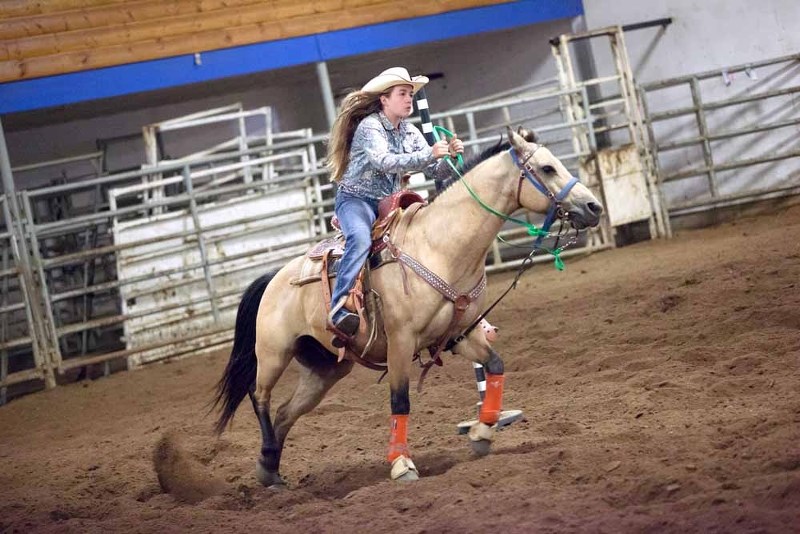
{"x": 585, "y": 215}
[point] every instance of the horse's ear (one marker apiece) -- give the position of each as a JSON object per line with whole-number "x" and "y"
{"x": 528, "y": 135}
{"x": 516, "y": 140}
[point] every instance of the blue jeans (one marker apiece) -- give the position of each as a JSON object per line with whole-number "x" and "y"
{"x": 356, "y": 216}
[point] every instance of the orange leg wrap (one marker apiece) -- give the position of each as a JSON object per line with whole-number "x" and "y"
{"x": 493, "y": 400}
{"x": 398, "y": 441}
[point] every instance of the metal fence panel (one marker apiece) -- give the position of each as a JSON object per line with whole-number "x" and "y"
{"x": 727, "y": 136}
{"x": 189, "y": 284}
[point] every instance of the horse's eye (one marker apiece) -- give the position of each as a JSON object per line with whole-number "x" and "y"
{"x": 548, "y": 169}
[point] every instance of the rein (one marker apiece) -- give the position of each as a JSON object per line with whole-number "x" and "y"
{"x": 527, "y": 263}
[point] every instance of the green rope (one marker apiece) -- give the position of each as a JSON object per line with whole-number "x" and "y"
{"x": 557, "y": 261}
{"x": 532, "y": 230}
{"x": 556, "y": 253}
{"x": 448, "y": 133}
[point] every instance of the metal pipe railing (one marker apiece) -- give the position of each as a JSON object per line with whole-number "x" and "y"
{"x": 710, "y": 140}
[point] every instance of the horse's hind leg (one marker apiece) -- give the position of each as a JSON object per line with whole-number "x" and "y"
{"x": 269, "y": 371}
{"x": 319, "y": 371}
{"x": 312, "y": 386}
{"x": 317, "y": 376}
{"x": 268, "y": 477}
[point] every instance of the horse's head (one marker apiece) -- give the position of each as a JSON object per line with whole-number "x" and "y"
{"x": 547, "y": 186}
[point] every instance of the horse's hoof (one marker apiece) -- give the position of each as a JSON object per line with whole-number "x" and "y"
{"x": 278, "y": 487}
{"x": 411, "y": 476}
{"x": 480, "y": 437}
{"x": 404, "y": 470}
{"x": 269, "y": 479}
{"x": 481, "y": 447}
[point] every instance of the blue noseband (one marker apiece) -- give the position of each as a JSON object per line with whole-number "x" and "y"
{"x": 555, "y": 198}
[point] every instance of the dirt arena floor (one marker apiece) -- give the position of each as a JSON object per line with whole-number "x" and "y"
{"x": 659, "y": 383}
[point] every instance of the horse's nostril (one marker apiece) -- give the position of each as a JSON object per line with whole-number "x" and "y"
{"x": 595, "y": 207}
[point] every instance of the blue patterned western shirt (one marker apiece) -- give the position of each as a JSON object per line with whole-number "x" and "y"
{"x": 381, "y": 154}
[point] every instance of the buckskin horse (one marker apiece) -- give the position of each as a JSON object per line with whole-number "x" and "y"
{"x": 430, "y": 291}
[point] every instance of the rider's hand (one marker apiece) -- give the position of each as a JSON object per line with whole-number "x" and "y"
{"x": 440, "y": 149}
{"x": 456, "y": 146}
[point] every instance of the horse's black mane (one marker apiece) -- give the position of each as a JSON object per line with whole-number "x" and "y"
{"x": 473, "y": 162}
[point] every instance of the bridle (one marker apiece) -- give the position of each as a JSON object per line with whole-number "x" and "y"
{"x": 528, "y": 171}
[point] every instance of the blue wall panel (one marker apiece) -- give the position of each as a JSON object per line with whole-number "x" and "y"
{"x": 401, "y": 33}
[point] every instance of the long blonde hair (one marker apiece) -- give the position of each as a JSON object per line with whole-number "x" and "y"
{"x": 355, "y": 107}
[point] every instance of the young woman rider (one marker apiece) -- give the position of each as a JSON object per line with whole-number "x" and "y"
{"x": 371, "y": 147}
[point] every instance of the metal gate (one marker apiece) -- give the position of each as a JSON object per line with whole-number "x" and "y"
{"x": 622, "y": 162}
{"x": 66, "y": 304}
{"x": 726, "y": 137}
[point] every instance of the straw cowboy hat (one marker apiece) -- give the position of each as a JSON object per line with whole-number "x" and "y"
{"x": 390, "y": 78}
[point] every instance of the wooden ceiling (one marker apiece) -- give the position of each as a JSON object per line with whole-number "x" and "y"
{"x": 48, "y": 37}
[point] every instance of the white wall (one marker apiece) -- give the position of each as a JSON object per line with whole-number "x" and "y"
{"x": 704, "y": 34}
{"x": 708, "y": 35}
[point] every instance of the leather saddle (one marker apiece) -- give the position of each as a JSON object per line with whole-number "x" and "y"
{"x": 389, "y": 211}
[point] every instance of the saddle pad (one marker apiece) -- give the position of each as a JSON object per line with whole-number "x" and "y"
{"x": 336, "y": 243}
{"x": 310, "y": 271}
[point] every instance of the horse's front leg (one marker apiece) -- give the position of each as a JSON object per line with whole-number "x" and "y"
{"x": 476, "y": 348}
{"x": 400, "y": 354}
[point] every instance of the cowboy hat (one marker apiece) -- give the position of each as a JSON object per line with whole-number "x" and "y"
{"x": 390, "y": 78}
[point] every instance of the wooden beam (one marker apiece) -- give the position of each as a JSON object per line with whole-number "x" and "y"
{"x": 133, "y": 32}
{"x": 23, "y": 8}
{"x": 200, "y": 40}
{"x": 139, "y": 25}
{"x": 109, "y": 15}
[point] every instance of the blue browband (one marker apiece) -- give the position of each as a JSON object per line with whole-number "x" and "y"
{"x": 555, "y": 199}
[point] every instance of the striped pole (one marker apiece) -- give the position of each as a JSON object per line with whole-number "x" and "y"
{"x": 421, "y": 100}
{"x": 480, "y": 378}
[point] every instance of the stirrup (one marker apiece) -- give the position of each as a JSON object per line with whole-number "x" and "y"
{"x": 341, "y": 338}
{"x": 348, "y": 324}
{"x": 346, "y": 328}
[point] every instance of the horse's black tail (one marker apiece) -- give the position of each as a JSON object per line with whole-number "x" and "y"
{"x": 240, "y": 373}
